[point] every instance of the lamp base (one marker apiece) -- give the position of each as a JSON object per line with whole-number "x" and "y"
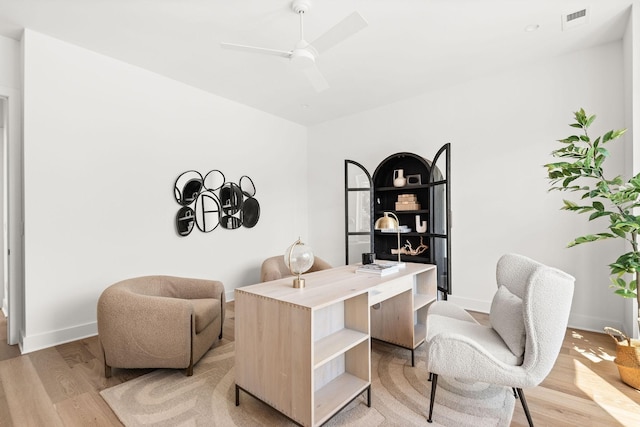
{"x": 298, "y": 283}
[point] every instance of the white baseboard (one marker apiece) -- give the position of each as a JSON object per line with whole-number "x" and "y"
{"x": 594, "y": 324}
{"x": 577, "y": 321}
{"x": 32, "y": 343}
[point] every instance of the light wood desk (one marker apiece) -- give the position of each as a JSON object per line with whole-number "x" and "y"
{"x": 307, "y": 352}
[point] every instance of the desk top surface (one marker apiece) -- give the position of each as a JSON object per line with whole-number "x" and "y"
{"x": 328, "y": 286}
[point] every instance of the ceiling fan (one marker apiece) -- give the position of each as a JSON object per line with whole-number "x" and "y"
{"x": 304, "y": 54}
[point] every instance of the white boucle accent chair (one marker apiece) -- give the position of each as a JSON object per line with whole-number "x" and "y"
{"x": 528, "y": 317}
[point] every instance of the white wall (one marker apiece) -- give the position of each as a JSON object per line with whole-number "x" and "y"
{"x": 632, "y": 121}
{"x": 104, "y": 142}
{"x": 9, "y": 63}
{"x": 501, "y": 129}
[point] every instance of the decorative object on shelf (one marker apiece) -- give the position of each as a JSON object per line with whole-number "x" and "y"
{"x": 401, "y": 229}
{"x": 408, "y": 249}
{"x": 298, "y": 258}
{"x": 388, "y": 223}
{"x": 415, "y": 179}
{"x": 407, "y": 202}
{"x": 211, "y": 201}
{"x": 421, "y": 226}
{"x": 368, "y": 258}
{"x": 398, "y": 178}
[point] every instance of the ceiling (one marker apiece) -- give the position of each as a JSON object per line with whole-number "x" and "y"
{"x": 409, "y": 46}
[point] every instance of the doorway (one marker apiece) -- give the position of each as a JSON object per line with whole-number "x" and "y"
{"x": 11, "y": 244}
{"x": 4, "y": 274}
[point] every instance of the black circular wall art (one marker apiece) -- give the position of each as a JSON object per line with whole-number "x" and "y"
{"x": 211, "y": 201}
{"x": 187, "y": 187}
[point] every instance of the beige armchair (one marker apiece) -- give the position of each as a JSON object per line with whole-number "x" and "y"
{"x": 274, "y": 268}
{"x": 159, "y": 322}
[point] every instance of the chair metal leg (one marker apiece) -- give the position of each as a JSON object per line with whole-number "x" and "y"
{"x": 514, "y": 392}
{"x": 434, "y": 383}
{"x": 524, "y": 406}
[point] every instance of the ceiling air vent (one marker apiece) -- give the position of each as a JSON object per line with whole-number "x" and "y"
{"x": 574, "y": 19}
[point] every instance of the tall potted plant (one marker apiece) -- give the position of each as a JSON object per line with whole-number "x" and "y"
{"x": 581, "y": 170}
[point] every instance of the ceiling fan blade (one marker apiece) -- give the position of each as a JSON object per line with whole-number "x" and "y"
{"x": 316, "y": 78}
{"x": 339, "y": 32}
{"x": 254, "y": 49}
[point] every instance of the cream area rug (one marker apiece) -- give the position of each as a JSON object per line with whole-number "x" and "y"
{"x": 399, "y": 395}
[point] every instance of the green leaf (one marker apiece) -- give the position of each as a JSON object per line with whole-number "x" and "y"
{"x": 618, "y": 133}
{"x": 581, "y": 116}
{"x": 617, "y": 269}
{"x": 569, "y": 180}
{"x": 598, "y": 206}
{"x": 569, "y": 140}
{"x": 619, "y": 232}
{"x": 597, "y": 215}
{"x": 625, "y": 293}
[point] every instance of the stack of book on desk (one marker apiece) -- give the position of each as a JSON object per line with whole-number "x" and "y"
{"x": 378, "y": 269}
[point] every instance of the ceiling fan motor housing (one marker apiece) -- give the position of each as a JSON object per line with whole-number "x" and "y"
{"x": 301, "y": 6}
{"x": 302, "y": 57}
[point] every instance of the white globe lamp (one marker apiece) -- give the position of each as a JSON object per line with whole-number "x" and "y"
{"x": 298, "y": 258}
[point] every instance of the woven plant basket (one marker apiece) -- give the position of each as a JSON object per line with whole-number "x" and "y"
{"x": 627, "y": 357}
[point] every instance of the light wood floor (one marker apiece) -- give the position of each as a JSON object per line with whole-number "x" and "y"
{"x": 60, "y": 386}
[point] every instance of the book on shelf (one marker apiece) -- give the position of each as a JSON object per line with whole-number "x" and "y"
{"x": 379, "y": 269}
{"x": 402, "y": 229}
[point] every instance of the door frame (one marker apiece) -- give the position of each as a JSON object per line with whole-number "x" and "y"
{"x": 14, "y": 254}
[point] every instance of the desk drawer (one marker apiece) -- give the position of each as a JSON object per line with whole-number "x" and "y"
{"x": 389, "y": 289}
